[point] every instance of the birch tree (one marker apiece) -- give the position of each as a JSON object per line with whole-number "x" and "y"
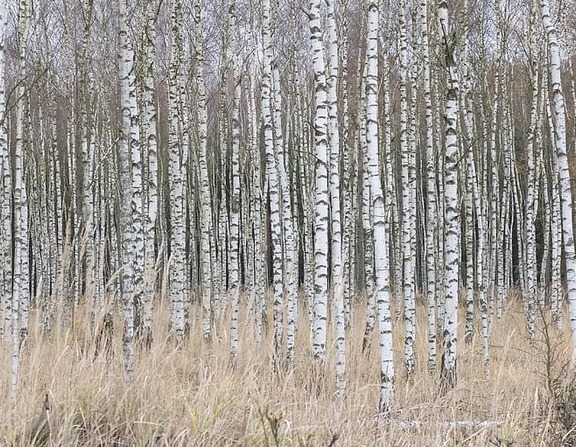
{"x": 235, "y": 232}
{"x": 431, "y": 194}
{"x": 206, "y": 230}
{"x": 289, "y": 255}
{"x": 5, "y": 190}
{"x": 322, "y": 197}
{"x": 177, "y": 167}
{"x": 20, "y": 287}
{"x": 335, "y": 219}
{"x": 272, "y": 178}
{"x": 334, "y": 144}
{"x": 378, "y": 213}
{"x": 131, "y": 199}
{"x": 531, "y": 192}
{"x": 562, "y": 163}
{"x": 150, "y": 144}
{"x": 408, "y": 202}
{"x": 452, "y": 217}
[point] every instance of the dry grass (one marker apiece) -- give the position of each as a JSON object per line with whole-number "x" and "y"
{"x": 191, "y": 396}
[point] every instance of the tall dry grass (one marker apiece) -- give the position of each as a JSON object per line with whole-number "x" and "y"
{"x": 190, "y": 396}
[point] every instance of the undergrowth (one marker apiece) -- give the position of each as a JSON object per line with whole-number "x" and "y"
{"x": 71, "y": 395}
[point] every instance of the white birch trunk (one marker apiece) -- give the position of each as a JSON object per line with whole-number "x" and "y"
{"x": 235, "y": 239}
{"x": 206, "y": 230}
{"x": 287, "y": 286}
{"x": 334, "y": 148}
{"x": 452, "y": 218}
{"x": 150, "y": 140}
{"x": 367, "y": 224}
{"x": 391, "y": 202}
{"x": 553, "y": 208}
{"x": 129, "y": 154}
{"x": 85, "y": 128}
{"x": 5, "y": 192}
{"x": 468, "y": 173}
{"x": 531, "y": 191}
{"x": 431, "y": 193}
{"x": 290, "y": 258}
{"x": 563, "y": 168}
{"x": 177, "y": 163}
{"x": 137, "y": 188}
{"x": 441, "y": 207}
{"x": 557, "y": 293}
{"x": 272, "y": 179}
{"x": 334, "y": 185}
{"x": 257, "y": 214}
{"x": 349, "y": 180}
{"x": 378, "y": 213}
{"x": 20, "y": 291}
{"x": 340, "y": 341}
{"x": 322, "y": 198}
{"x": 408, "y": 211}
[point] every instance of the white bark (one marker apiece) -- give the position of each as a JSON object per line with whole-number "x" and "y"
{"x": 257, "y": 213}
{"x": 137, "y": 187}
{"x": 150, "y": 140}
{"x": 295, "y": 142}
{"x": 235, "y": 233}
{"x": 468, "y": 173}
{"x": 530, "y": 218}
{"x": 557, "y": 294}
{"x": 408, "y": 203}
{"x": 367, "y": 224}
{"x": 290, "y": 258}
{"x": 322, "y": 199}
{"x": 340, "y": 341}
{"x": 130, "y": 219}
{"x": 452, "y": 221}
{"x": 349, "y": 180}
{"x": 380, "y": 236}
{"x": 553, "y": 210}
{"x": 234, "y": 269}
{"x": 5, "y": 191}
{"x": 206, "y": 230}
{"x": 177, "y": 168}
{"x": 272, "y": 179}
{"x": 334, "y": 140}
{"x": 20, "y": 292}
{"x": 563, "y": 168}
{"x": 87, "y": 149}
{"x": 431, "y": 194}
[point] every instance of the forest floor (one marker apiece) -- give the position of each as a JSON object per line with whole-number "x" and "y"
{"x": 190, "y": 396}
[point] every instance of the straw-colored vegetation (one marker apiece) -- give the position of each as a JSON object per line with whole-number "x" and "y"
{"x": 191, "y": 396}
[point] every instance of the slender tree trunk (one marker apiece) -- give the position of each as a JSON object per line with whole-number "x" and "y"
{"x": 150, "y": 142}
{"x": 272, "y": 179}
{"x": 322, "y": 198}
{"x": 131, "y": 199}
{"x": 408, "y": 203}
{"x": 5, "y": 192}
{"x": 334, "y": 172}
{"x": 206, "y": 227}
{"x": 87, "y": 155}
{"x": 563, "y": 168}
{"x": 177, "y": 168}
{"x": 21, "y": 290}
{"x": 452, "y": 217}
{"x": 431, "y": 193}
{"x": 379, "y": 219}
{"x": 235, "y": 233}
{"x": 531, "y": 191}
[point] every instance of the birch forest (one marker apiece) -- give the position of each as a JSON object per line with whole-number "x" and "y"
{"x": 287, "y": 222}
